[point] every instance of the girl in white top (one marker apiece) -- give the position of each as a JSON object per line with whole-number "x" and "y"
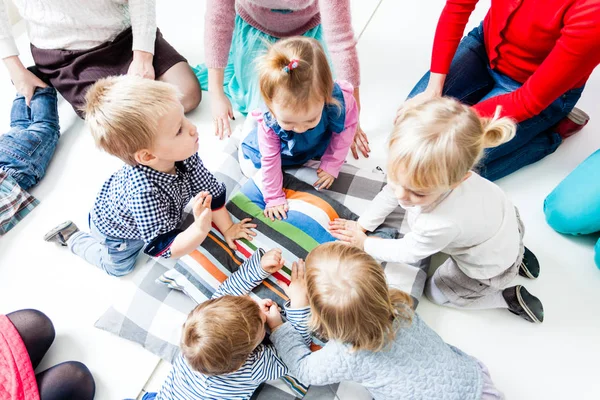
{"x": 451, "y": 209}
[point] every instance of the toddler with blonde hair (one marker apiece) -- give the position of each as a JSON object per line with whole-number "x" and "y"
{"x": 223, "y": 356}
{"x": 140, "y": 207}
{"x": 451, "y": 209}
{"x": 374, "y": 337}
{"x": 309, "y": 115}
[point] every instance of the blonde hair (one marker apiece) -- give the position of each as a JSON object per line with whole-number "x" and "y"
{"x": 220, "y": 334}
{"x": 350, "y": 298}
{"x": 123, "y": 112}
{"x": 310, "y": 81}
{"x": 438, "y": 142}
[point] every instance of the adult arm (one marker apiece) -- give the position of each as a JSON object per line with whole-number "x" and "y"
{"x": 8, "y": 46}
{"x": 269, "y": 145}
{"x": 336, "y": 152}
{"x": 143, "y": 28}
{"x": 336, "y": 20}
{"x": 382, "y": 205}
{"x": 219, "y": 24}
{"x": 574, "y": 56}
{"x": 321, "y": 367}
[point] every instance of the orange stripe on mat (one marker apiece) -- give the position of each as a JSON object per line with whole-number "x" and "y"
{"x": 208, "y": 266}
{"x": 314, "y": 200}
{"x": 274, "y": 290}
{"x": 226, "y": 248}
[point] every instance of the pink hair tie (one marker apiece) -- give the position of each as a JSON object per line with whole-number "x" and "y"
{"x": 291, "y": 66}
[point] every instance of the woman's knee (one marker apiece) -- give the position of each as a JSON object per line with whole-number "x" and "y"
{"x": 182, "y": 76}
{"x": 68, "y": 380}
{"x": 33, "y": 324}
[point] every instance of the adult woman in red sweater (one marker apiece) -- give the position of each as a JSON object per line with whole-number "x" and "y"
{"x": 530, "y": 57}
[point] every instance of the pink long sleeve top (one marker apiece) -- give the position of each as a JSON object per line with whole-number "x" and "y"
{"x": 299, "y": 17}
{"x": 272, "y": 148}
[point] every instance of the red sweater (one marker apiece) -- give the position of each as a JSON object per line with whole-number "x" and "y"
{"x": 551, "y": 46}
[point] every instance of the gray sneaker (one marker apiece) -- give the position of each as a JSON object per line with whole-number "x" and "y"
{"x": 61, "y": 233}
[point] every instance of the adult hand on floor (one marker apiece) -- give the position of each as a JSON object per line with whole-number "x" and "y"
{"x": 361, "y": 143}
{"x": 24, "y": 80}
{"x": 221, "y": 113}
{"x": 141, "y": 65}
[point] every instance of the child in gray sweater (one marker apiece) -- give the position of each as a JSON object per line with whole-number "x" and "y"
{"x": 374, "y": 337}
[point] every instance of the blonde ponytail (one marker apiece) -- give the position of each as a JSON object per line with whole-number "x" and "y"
{"x": 308, "y": 80}
{"x": 497, "y": 130}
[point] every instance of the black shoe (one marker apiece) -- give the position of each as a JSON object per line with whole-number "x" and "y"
{"x": 524, "y": 304}
{"x": 61, "y": 233}
{"x": 530, "y": 266}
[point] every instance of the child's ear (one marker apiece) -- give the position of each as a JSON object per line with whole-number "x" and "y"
{"x": 144, "y": 157}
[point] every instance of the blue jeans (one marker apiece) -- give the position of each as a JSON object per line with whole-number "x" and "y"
{"x": 114, "y": 255}
{"x": 471, "y": 80}
{"x": 573, "y": 207}
{"x": 26, "y": 150}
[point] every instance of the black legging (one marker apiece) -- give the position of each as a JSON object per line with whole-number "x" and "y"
{"x": 70, "y": 380}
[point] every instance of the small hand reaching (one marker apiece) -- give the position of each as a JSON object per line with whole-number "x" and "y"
{"x": 241, "y": 230}
{"x": 272, "y": 261}
{"x": 296, "y": 290}
{"x": 361, "y": 143}
{"x": 202, "y": 211}
{"x": 279, "y": 212}
{"x": 325, "y": 180}
{"x": 348, "y": 231}
{"x": 222, "y": 112}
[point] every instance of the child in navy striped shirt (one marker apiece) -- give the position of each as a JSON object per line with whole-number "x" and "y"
{"x": 223, "y": 356}
{"x": 141, "y": 121}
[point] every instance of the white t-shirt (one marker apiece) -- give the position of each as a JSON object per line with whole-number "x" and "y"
{"x": 476, "y": 224}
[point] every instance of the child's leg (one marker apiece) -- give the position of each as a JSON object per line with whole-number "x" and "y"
{"x": 115, "y": 256}
{"x": 450, "y": 287}
{"x": 26, "y": 150}
{"x": 247, "y": 166}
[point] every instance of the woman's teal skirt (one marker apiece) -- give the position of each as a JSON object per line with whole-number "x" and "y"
{"x": 241, "y": 79}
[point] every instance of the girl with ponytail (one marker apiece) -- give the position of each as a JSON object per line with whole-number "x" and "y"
{"x": 308, "y": 115}
{"x": 450, "y": 209}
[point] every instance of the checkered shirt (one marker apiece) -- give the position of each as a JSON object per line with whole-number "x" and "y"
{"x": 138, "y": 202}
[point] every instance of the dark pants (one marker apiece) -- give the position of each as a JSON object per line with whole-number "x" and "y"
{"x": 73, "y": 71}
{"x": 471, "y": 81}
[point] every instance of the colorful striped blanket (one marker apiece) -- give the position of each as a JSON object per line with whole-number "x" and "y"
{"x": 152, "y": 314}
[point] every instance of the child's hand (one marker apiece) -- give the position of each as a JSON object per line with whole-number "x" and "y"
{"x": 273, "y": 314}
{"x": 241, "y": 230}
{"x": 202, "y": 211}
{"x": 325, "y": 180}
{"x": 296, "y": 290}
{"x": 272, "y": 261}
{"x": 348, "y": 231}
{"x": 344, "y": 224}
{"x": 279, "y": 212}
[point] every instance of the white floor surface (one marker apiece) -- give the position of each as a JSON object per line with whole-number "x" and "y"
{"x": 555, "y": 360}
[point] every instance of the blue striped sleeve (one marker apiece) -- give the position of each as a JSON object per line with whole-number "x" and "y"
{"x": 298, "y": 317}
{"x": 247, "y": 277}
{"x": 268, "y": 365}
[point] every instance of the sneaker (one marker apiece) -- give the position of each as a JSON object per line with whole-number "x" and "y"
{"x": 61, "y": 233}
{"x": 530, "y": 266}
{"x": 524, "y": 304}
{"x": 572, "y": 123}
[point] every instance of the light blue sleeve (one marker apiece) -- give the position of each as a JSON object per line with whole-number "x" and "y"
{"x": 322, "y": 367}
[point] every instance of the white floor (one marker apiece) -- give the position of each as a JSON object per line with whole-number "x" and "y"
{"x": 555, "y": 360}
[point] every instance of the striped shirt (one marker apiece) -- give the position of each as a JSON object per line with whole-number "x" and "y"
{"x": 184, "y": 383}
{"x": 138, "y": 202}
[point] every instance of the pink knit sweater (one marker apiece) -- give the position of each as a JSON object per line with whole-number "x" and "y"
{"x": 334, "y": 15}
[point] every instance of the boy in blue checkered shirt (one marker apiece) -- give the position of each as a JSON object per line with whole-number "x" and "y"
{"x": 140, "y": 207}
